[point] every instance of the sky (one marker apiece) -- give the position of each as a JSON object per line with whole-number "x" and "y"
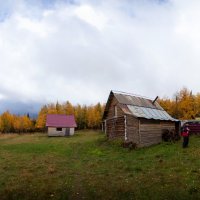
{"x": 80, "y": 50}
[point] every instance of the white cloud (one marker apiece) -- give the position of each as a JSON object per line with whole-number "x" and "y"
{"x": 91, "y": 16}
{"x": 81, "y": 51}
{"x": 2, "y": 97}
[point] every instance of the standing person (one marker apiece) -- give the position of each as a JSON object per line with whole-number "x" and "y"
{"x": 185, "y": 134}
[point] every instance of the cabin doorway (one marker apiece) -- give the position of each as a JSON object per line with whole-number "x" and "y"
{"x": 67, "y": 132}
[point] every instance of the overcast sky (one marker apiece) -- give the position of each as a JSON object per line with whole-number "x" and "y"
{"x": 79, "y": 50}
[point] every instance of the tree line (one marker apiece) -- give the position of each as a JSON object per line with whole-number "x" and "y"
{"x": 183, "y": 105}
{"x": 10, "y": 123}
{"x": 87, "y": 117}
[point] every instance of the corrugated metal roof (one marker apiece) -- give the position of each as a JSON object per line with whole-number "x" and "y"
{"x": 136, "y": 101}
{"x": 150, "y": 113}
{"x": 62, "y": 121}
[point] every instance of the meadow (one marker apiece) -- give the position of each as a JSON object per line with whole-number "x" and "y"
{"x": 88, "y": 166}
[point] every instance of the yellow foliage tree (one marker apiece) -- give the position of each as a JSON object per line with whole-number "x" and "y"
{"x": 27, "y": 123}
{"x": 86, "y": 116}
{"x": 41, "y": 119}
{"x": 184, "y": 105}
{"x": 68, "y": 108}
{"x": 7, "y": 121}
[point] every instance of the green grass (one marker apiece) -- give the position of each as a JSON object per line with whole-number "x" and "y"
{"x": 88, "y": 166}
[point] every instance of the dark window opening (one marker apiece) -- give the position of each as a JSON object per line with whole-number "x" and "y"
{"x": 58, "y": 129}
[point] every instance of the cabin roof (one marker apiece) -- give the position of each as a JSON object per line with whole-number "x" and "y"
{"x": 140, "y": 107}
{"x": 129, "y": 99}
{"x": 60, "y": 121}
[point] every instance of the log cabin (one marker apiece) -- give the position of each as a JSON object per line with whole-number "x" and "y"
{"x": 60, "y": 125}
{"x": 135, "y": 119}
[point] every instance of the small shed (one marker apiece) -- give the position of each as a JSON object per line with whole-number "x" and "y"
{"x": 135, "y": 119}
{"x": 60, "y": 125}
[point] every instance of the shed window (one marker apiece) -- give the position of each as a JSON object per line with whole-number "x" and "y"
{"x": 58, "y": 129}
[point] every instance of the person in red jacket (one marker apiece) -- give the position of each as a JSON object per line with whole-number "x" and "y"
{"x": 185, "y": 134}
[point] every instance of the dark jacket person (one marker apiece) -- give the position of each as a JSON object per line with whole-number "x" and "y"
{"x": 185, "y": 134}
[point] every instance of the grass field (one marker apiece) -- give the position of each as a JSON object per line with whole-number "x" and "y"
{"x": 87, "y": 166}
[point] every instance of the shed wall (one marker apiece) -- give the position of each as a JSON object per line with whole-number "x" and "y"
{"x": 71, "y": 131}
{"x": 168, "y": 125}
{"x": 115, "y": 127}
{"x": 65, "y": 131}
{"x": 151, "y": 131}
{"x": 132, "y": 129}
{"x": 111, "y": 110}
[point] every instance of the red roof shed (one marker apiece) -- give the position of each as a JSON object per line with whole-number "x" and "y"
{"x": 60, "y": 120}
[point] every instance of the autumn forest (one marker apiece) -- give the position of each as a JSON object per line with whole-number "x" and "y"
{"x": 183, "y": 105}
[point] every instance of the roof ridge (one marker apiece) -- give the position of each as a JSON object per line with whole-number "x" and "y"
{"x": 131, "y": 94}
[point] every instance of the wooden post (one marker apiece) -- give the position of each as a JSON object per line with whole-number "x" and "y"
{"x": 125, "y": 127}
{"x": 105, "y": 127}
{"x": 139, "y": 131}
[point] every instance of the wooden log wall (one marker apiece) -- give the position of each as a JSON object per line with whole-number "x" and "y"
{"x": 167, "y": 125}
{"x": 111, "y": 111}
{"x": 151, "y": 131}
{"x": 132, "y": 125}
{"x": 115, "y": 127}
{"x": 150, "y": 134}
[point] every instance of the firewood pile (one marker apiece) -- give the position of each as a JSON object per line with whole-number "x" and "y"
{"x": 170, "y": 135}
